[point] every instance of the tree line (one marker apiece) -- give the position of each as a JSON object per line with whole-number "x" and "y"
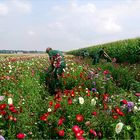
{"x": 18, "y": 51}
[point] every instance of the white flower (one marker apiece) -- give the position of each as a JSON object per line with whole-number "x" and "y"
{"x": 64, "y": 70}
{"x": 76, "y": 92}
{"x": 86, "y": 91}
{"x": 93, "y": 102}
{"x": 119, "y": 127}
{"x": 0, "y": 116}
{"x": 10, "y": 67}
{"x": 138, "y": 100}
{"x": 81, "y": 100}
{"x": 136, "y": 108}
{"x": 49, "y": 110}
{"x": 10, "y": 101}
{"x": 79, "y": 86}
{"x": 96, "y": 98}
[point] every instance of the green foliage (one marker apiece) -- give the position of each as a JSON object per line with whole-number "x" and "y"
{"x": 91, "y": 99}
{"x": 124, "y": 51}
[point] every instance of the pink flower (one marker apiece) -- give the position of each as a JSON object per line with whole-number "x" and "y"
{"x": 106, "y": 72}
{"x": 75, "y": 129}
{"x": 21, "y": 136}
{"x": 61, "y": 133}
{"x": 2, "y": 98}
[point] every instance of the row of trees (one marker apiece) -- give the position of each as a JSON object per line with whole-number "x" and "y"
{"x": 18, "y": 51}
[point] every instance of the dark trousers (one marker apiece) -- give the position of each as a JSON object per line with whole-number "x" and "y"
{"x": 53, "y": 81}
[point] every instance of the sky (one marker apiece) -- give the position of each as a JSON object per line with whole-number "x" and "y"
{"x": 66, "y": 24}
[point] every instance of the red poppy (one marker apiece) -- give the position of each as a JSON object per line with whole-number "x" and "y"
{"x": 72, "y": 94}
{"x": 43, "y": 118}
{"x": 57, "y": 105}
{"x": 10, "y": 118}
{"x": 121, "y": 113}
{"x": 3, "y": 112}
{"x": 79, "y": 117}
{"x": 60, "y": 121}
{"x": 50, "y": 103}
{"x": 94, "y": 113}
{"x": 11, "y": 108}
{"x": 91, "y": 131}
{"x": 78, "y": 135}
{"x": 117, "y": 109}
{"x": 105, "y": 106}
{"x": 81, "y": 132}
{"x": 124, "y": 101}
{"x": 115, "y": 116}
{"x": 106, "y": 72}
{"x": 15, "y": 119}
{"x": 69, "y": 101}
{"x": 2, "y": 106}
{"x": 88, "y": 94}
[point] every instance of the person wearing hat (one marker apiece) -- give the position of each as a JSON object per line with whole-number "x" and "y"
{"x": 55, "y": 70}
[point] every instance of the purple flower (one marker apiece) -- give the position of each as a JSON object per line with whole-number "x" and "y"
{"x": 94, "y": 89}
{"x": 130, "y": 105}
{"x": 2, "y": 138}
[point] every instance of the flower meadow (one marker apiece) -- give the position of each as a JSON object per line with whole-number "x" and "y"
{"x": 90, "y": 105}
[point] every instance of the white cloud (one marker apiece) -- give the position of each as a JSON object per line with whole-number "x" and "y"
{"x": 3, "y": 10}
{"x": 31, "y": 33}
{"x": 21, "y": 6}
{"x": 87, "y": 17}
{"x": 15, "y": 6}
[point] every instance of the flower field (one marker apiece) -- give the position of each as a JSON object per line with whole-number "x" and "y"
{"x": 96, "y": 102}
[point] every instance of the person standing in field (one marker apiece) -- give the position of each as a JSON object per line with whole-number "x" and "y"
{"x": 84, "y": 53}
{"x": 100, "y": 54}
{"x": 55, "y": 70}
